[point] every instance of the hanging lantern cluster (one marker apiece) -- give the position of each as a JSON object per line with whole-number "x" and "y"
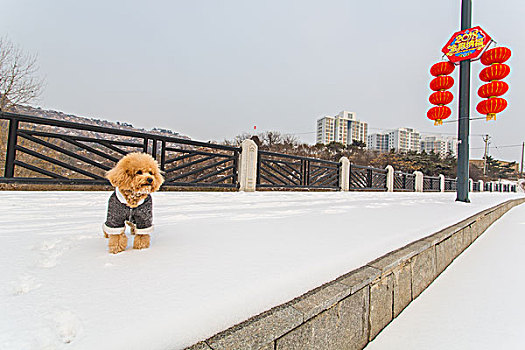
{"x": 441, "y": 97}
{"x": 494, "y": 88}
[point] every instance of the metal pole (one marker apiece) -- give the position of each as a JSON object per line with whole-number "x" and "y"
{"x": 522, "y": 149}
{"x": 464, "y": 112}
{"x": 9, "y": 170}
{"x": 486, "y": 140}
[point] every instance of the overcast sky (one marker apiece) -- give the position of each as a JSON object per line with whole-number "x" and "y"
{"x": 214, "y": 69}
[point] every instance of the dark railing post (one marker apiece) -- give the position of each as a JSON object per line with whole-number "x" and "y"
{"x": 258, "y": 174}
{"x": 303, "y": 173}
{"x": 235, "y": 179}
{"x": 163, "y": 155}
{"x": 145, "y": 147}
{"x": 154, "y": 149}
{"x": 307, "y": 172}
{"x": 369, "y": 178}
{"x": 9, "y": 169}
{"x": 350, "y": 176}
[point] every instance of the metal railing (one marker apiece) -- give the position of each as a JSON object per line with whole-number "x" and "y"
{"x": 450, "y": 185}
{"x": 42, "y": 150}
{"x": 431, "y": 184}
{"x": 404, "y": 181}
{"x": 277, "y": 170}
{"x": 367, "y": 178}
{"x": 39, "y": 150}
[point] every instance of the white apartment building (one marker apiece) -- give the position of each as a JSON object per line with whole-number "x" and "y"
{"x": 378, "y": 142}
{"x": 401, "y": 140}
{"x": 404, "y": 140}
{"x": 442, "y": 145}
{"x": 343, "y": 128}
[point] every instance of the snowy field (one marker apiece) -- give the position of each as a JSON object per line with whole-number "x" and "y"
{"x": 477, "y": 303}
{"x": 216, "y": 259}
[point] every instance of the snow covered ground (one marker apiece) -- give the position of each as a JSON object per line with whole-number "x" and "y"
{"x": 477, "y": 303}
{"x": 216, "y": 259}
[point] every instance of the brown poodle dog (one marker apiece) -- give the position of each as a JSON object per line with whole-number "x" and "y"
{"x": 135, "y": 176}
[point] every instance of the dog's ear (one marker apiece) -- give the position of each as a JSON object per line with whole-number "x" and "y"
{"x": 159, "y": 180}
{"x": 118, "y": 175}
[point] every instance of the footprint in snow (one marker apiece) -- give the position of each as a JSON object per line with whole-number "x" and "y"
{"x": 67, "y": 325}
{"x": 24, "y": 285}
{"x": 50, "y": 250}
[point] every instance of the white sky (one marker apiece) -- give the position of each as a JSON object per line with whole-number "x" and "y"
{"x": 214, "y": 69}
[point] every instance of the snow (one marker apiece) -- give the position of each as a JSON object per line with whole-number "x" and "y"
{"x": 216, "y": 259}
{"x": 477, "y": 303}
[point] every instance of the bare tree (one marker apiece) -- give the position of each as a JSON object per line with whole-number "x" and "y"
{"x": 270, "y": 138}
{"x": 18, "y": 81}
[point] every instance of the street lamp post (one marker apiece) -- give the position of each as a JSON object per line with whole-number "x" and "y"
{"x": 464, "y": 113}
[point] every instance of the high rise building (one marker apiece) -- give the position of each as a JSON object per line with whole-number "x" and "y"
{"x": 442, "y": 145}
{"x": 404, "y": 140}
{"x": 378, "y": 142}
{"x": 343, "y": 128}
{"x": 407, "y": 139}
{"x": 401, "y": 140}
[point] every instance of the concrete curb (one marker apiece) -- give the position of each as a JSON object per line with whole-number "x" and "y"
{"x": 350, "y": 311}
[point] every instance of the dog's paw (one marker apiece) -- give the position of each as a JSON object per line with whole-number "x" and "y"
{"x": 141, "y": 241}
{"x": 117, "y": 243}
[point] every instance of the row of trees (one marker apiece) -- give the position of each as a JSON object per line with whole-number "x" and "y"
{"x": 431, "y": 164}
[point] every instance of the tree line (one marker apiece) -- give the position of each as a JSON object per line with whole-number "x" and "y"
{"x": 429, "y": 163}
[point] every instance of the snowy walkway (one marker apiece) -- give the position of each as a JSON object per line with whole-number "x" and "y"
{"x": 477, "y": 303}
{"x": 216, "y": 259}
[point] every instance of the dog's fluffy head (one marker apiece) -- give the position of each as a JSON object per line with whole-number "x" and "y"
{"x": 136, "y": 172}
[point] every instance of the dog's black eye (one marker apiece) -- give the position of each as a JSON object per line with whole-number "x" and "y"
{"x": 139, "y": 172}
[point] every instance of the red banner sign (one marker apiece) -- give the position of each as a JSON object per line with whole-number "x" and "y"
{"x": 467, "y": 44}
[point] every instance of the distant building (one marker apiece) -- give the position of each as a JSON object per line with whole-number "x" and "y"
{"x": 400, "y": 140}
{"x": 343, "y": 128}
{"x": 378, "y": 142}
{"x": 442, "y": 145}
{"x": 480, "y": 163}
{"x": 404, "y": 140}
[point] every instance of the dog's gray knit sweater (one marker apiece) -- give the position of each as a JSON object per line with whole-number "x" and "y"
{"x": 119, "y": 213}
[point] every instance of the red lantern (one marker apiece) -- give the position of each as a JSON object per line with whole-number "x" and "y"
{"x": 491, "y": 106}
{"x": 443, "y": 82}
{"x": 493, "y": 89}
{"x": 494, "y": 72}
{"x": 438, "y": 113}
{"x": 495, "y": 55}
{"x": 441, "y": 98}
{"x": 442, "y": 68}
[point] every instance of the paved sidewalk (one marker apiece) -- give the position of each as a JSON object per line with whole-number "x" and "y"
{"x": 477, "y": 303}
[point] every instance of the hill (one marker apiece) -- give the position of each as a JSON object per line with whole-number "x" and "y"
{"x": 39, "y": 112}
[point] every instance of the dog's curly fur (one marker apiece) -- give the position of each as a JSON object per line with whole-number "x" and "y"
{"x": 136, "y": 175}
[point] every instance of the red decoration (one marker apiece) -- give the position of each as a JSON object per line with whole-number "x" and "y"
{"x": 493, "y": 89}
{"x": 442, "y": 68}
{"x": 494, "y": 72}
{"x": 442, "y": 82}
{"x": 441, "y": 98}
{"x": 438, "y": 113}
{"x": 491, "y": 106}
{"x": 495, "y": 55}
{"x": 467, "y": 44}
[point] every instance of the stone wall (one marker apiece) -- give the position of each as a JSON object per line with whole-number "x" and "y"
{"x": 350, "y": 311}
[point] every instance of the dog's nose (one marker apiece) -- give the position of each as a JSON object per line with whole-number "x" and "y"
{"x": 150, "y": 180}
